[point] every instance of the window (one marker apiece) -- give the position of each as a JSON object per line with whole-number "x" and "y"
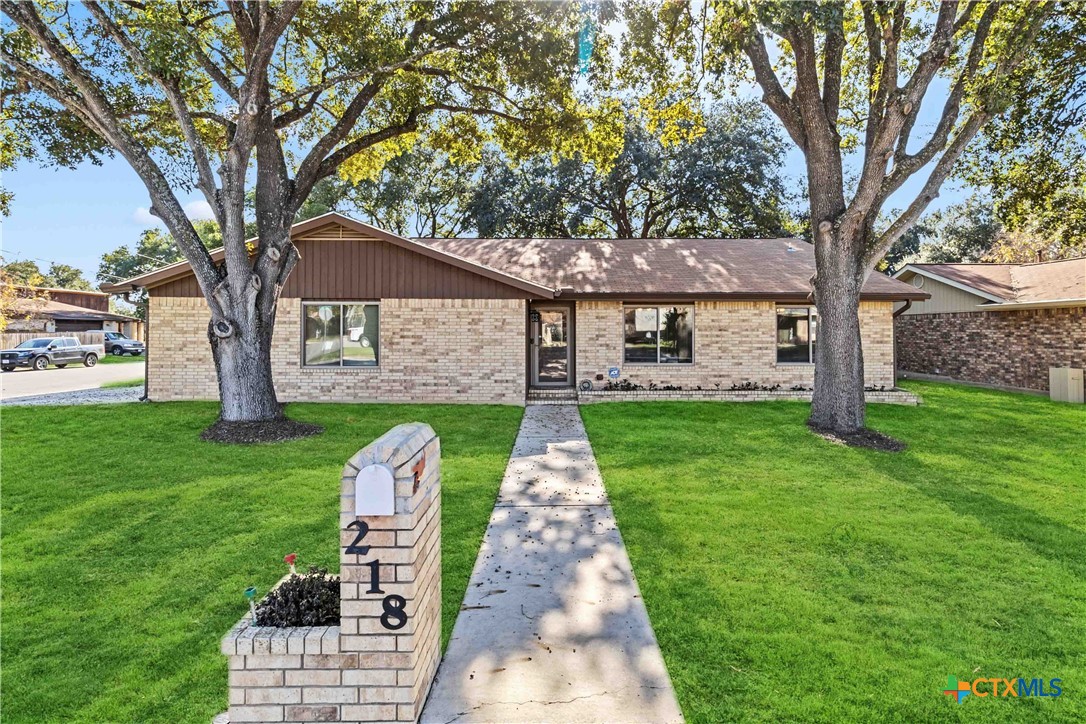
{"x": 340, "y": 335}
{"x": 659, "y": 335}
{"x": 796, "y": 332}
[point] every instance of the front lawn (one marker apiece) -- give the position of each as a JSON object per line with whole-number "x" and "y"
{"x": 789, "y": 579}
{"x": 112, "y": 359}
{"x": 127, "y": 542}
{"x": 136, "y": 382}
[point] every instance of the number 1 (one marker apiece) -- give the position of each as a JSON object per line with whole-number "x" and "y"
{"x": 375, "y": 577}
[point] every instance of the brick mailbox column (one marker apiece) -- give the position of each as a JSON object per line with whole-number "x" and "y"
{"x": 378, "y": 664}
{"x": 390, "y": 614}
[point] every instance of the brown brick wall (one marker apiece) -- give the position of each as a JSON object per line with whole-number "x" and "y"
{"x": 734, "y": 342}
{"x": 432, "y": 350}
{"x": 1013, "y": 348}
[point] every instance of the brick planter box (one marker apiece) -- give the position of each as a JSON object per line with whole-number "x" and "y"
{"x": 893, "y": 397}
{"x": 298, "y": 674}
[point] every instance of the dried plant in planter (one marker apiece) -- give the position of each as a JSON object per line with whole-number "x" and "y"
{"x": 308, "y": 599}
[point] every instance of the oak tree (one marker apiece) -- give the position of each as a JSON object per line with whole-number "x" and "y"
{"x": 849, "y": 82}
{"x": 266, "y": 99}
{"x": 723, "y": 179}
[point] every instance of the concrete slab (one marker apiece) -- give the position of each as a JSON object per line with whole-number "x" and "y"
{"x": 552, "y": 627}
{"x": 541, "y": 472}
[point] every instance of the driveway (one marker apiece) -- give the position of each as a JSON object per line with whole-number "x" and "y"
{"x": 25, "y": 382}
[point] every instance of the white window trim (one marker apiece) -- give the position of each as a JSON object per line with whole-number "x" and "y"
{"x": 658, "y": 307}
{"x": 810, "y": 353}
{"x": 341, "y": 303}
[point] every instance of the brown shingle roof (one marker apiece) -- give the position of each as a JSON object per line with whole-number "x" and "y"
{"x": 1018, "y": 283}
{"x": 60, "y": 310}
{"x": 645, "y": 267}
{"x": 747, "y": 268}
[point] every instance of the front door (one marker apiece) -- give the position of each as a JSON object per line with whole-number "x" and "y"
{"x": 551, "y": 332}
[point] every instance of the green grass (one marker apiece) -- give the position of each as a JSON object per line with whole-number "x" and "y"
{"x": 127, "y": 542}
{"x": 136, "y": 382}
{"x": 110, "y": 359}
{"x": 789, "y": 579}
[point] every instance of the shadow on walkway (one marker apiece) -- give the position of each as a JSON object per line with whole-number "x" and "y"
{"x": 552, "y": 627}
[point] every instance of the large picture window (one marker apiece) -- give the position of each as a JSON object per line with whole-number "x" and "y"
{"x": 340, "y": 334}
{"x": 796, "y": 332}
{"x": 659, "y": 335}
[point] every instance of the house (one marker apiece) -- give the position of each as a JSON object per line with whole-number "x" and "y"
{"x": 371, "y": 316}
{"x": 54, "y": 311}
{"x": 998, "y": 324}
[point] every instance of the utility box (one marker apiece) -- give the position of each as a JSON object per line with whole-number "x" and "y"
{"x": 1065, "y": 384}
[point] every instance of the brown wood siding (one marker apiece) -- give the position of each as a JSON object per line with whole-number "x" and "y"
{"x": 96, "y": 302}
{"x": 339, "y": 263}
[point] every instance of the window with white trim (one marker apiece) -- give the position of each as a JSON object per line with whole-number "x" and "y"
{"x": 659, "y": 335}
{"x": 796, "y": 334}
{"x": 340, "y": 334}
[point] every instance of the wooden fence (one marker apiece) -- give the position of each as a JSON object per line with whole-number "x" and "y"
{"x": 10, "y": 339}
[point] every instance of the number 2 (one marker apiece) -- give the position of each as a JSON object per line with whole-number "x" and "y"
{"x": 363, "y": 529}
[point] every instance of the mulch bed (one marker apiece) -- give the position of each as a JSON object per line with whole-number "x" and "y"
{"x": 248, "y": 433}
{"x": 864, "y": 438}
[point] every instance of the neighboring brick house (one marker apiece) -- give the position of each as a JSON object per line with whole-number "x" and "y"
{"x": 997, "y": 324}
{"x": 370, "y": 316}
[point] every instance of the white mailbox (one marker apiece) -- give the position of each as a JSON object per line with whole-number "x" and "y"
{"x": 375, "y": 491}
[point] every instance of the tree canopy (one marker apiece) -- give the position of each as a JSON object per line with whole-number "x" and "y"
{"x": 723, "y": 181}
{"x": 1032, "y": 159}
{"x": 58, "y": 276}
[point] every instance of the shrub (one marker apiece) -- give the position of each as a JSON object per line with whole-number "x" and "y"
{"x": 309, "y": 599}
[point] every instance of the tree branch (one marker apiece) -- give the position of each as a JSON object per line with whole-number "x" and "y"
{"x": 329, "y": 165}
{"x": 95, "y": 104}
{"x": 310, "y": 170}
{"x": 774, "y": 94}
{"x": 172, "y": 90}
{"x": 930, "y": 190}
{"x": 831, "y": 66}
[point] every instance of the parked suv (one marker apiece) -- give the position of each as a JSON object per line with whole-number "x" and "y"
{"x": 39, "y": 353}
{"x": 118, "y": 344}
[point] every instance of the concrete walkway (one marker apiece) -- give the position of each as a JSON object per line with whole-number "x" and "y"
{"x": 553, "y": 628}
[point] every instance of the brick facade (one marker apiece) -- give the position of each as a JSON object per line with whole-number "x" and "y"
{"x": 431, "y": 350}
{"x": 1011, "y": 348}
{"x": 473, "y": 350}
{"x": 734, "y": 342}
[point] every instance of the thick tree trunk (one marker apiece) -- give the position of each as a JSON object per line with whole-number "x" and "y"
{"x": 243, "y": 364}
{"x": 838, "y": 401}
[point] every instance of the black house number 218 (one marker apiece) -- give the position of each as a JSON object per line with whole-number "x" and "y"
{"x": 394, "y": 616}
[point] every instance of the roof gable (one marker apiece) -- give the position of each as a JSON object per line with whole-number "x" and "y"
{"x": 337, "y": 227}
{"x": 1009, "y": 284}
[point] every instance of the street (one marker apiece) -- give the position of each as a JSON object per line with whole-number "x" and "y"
{"x": 25, "y": 382}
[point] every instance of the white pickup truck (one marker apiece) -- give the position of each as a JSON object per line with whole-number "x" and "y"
{"x": 41, "y": 352}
